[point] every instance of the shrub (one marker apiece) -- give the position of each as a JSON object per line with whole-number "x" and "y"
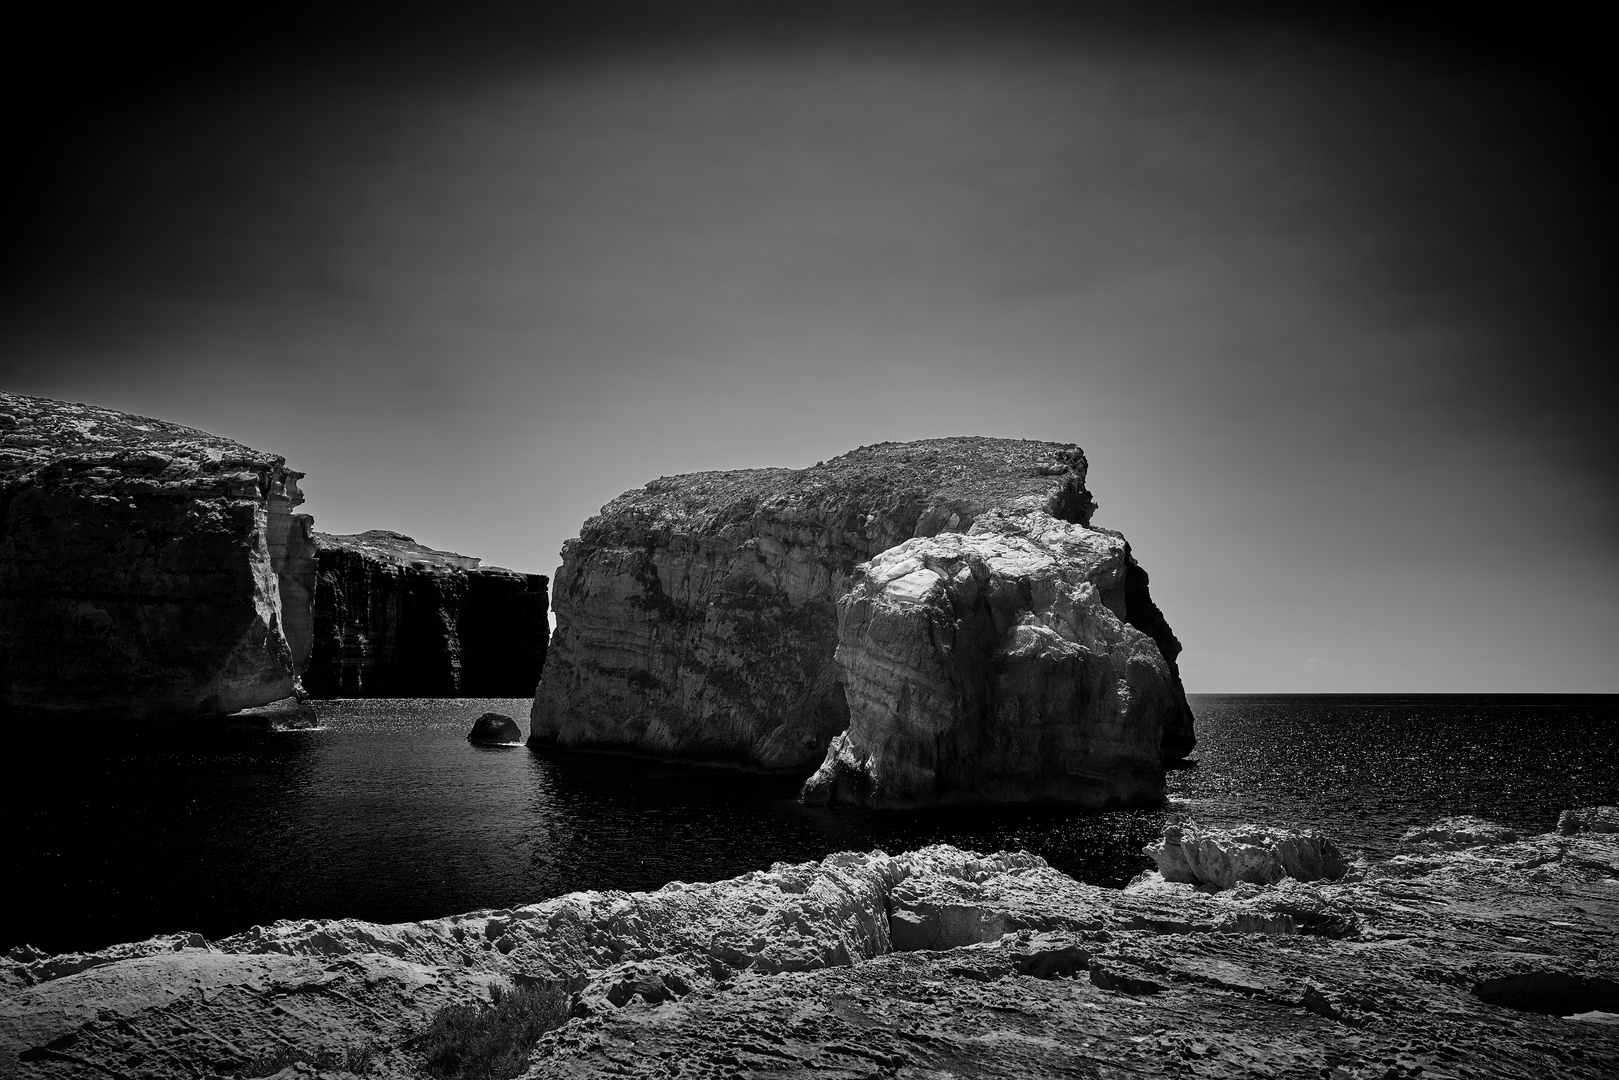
{"x": 492, "y": 1042}
{"x": 354, "y": 1059}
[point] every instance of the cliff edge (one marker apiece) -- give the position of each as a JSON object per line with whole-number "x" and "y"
{"x": 394, "y": 618}
{"x": 940, "y": 613}
{"x": 147, "y": 570}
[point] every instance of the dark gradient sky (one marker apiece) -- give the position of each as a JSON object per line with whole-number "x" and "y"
{"x": 1329, "y": 304}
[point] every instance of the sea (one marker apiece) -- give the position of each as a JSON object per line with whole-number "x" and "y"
{"x": 385, "y": 812}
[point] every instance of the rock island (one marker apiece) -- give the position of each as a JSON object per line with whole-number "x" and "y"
{"x": 917, "y": 623}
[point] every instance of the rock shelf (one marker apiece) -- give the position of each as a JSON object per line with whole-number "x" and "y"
{"x": 1489, "y": 959}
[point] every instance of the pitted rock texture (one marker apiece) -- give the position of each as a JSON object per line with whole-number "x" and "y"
{"x": 1589, "y": 819}
{"x": 699, "y": 617}
{"x": 1223, "y": 858}
{"x": 997, "y": 665}
{"x": 147, "y": 570}
{"x": 1494, "y": 960}
{"x": 393, "y": 618}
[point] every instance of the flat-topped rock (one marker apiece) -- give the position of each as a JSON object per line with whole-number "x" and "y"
{"x": 147, "y": 570}
{"x": 395, "y": 618}
{"x": 715, "y": 616}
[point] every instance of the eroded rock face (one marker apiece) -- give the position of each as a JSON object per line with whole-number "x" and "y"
{"x": 1454, "y": 833}
{"x": 1224, "y": 858}
{"x": 727, "y": 616}
{"x": 1492, "y": 960}
{"x": 996, "y": 665}
{"x": 1589, "y": 819}
{"x": 147, "y": 570}
{"x": 393, "y": 618}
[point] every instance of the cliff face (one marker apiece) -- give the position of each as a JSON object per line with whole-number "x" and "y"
{"x": 147, "y": 570}
{"x": 395, "y": 619}
{"x": 997, "y": 665}
{"x": 728, "y": 616}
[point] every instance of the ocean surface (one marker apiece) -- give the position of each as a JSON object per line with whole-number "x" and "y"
{"x": 387, "y": 813}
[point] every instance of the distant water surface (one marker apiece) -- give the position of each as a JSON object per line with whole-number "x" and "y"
{"x": 387, "y": 813}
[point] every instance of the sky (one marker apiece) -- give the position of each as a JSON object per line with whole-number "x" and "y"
{"x": 1328, "y": 302}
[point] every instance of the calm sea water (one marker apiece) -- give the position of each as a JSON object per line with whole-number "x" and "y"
{"x": 387, "y": 813}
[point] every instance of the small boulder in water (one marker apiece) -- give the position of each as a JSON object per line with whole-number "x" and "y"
{"x": 493, "y": 728}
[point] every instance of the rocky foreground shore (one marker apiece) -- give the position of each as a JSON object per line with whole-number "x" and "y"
{"x": 1472, "y": 953}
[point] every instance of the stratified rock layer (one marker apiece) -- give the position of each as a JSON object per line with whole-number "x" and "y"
{"x": 147, "y": 570}
{"x": 393, "y": 618}
{"x": 718, "y": 616}
{"x": 1494, "y": 960}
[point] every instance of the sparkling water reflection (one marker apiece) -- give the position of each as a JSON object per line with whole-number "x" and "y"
{"x": 387, "y": 813}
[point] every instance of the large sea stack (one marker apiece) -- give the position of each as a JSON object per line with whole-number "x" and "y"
{"x": 929, "y": 622}
{"x": 147, "y": 570}
{"x": 396, "y": 619}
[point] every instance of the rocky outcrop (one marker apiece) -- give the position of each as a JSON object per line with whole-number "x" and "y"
{"x": 495, "y": 729}
{"x": 147, "y": 570}
{"x": 1493, "y": 960}
{"x": 393, "y": 618}
{"x": 1589, "y": 819}
{"x": 943, "y": 609}
{"x": 996, "y": 664}
{"x": 1224, "y": 858}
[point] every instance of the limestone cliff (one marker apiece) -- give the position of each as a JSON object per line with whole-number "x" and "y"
{"x": 393, "y": 618}
{"x": 147, "y": 570}
{"x": 997, "y": 664}
{"x": 729, "y": 616}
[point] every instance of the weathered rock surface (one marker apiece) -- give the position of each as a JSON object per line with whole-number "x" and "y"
{"x": 393, "y": 618}
{"x": 1589, "y": 819}
{"x": 1224, "y": 858}
{"x": 996, "y": 665}
{"x": 147, "y": 570}
{"x": 1491, "y": 960}
{"x": 495, "y": 729}
{"x": 727, "y": 617}
{"x": 1453, "y": 833}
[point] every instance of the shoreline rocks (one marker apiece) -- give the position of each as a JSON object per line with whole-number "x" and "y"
{"x": 394, "y": 618}
{"x": 744, "y": 617}
{"x": 1223, "y": 858}
{"x": 1491, "y": 960}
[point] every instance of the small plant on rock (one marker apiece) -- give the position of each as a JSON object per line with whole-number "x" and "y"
{"x": 492, "y": 1042}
